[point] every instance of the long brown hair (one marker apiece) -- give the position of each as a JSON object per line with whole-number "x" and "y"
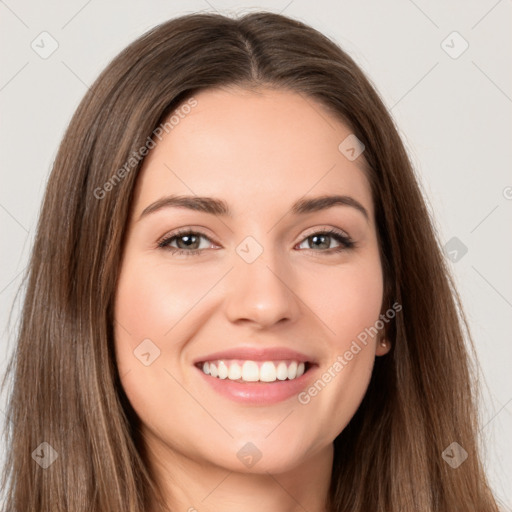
{"x": 66, "y": 390}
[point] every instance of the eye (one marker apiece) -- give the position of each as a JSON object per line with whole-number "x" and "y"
{"x": 188, "y": 239}
{"x": 189, "y": 242}
{"x": 323, "y": 239}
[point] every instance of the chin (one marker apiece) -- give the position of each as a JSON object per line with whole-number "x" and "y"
{"x": 268, "y": 463}
{"x": 263, "y": 456}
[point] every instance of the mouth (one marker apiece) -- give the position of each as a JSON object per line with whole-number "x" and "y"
{"x": 256, "y": 376}
{"x": 250, "y": 371}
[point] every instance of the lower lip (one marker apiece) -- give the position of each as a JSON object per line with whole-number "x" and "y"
{"x": 259, "y": 393}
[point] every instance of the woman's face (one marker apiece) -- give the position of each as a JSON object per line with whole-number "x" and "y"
{"x": 258, "y": 293}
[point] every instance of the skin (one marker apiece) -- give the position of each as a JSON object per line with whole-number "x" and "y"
{"x": 260, "y": 152}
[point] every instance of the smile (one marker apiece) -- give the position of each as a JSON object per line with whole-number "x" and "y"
{"x": 254, "y": 371}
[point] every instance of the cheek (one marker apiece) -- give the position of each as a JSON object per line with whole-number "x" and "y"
{"x": 350, "y": 300}
{"x": 146, "y": 308}
{"x": 152, "y": 298}
{"x": 350, "y": 308}
{"x": 155, "y": 311}
{"x": 152, "y": 302}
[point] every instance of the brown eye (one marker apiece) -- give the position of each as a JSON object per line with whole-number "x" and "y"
{"x": 323, "y": 240}
{"x": 187, "y": 243}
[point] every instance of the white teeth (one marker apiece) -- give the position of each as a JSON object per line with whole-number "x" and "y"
{"x": 223, "y": 370}
{"x": 292, "y": 370}
{"x": 282, "y": 371}
{"x": 268, "y": 372}
{"x": 235, "y": 372}
{"x": 251, "y": 371}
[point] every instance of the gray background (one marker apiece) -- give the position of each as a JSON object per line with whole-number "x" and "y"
{"x": 453, "y": 112}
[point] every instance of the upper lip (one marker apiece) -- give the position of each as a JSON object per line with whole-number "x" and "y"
{"x": 257, "y": 354}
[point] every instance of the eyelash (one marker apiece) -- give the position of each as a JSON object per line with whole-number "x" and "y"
{"x": 345, "y": 241}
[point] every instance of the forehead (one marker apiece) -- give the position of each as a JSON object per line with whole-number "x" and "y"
{"x": 252, "y": 148}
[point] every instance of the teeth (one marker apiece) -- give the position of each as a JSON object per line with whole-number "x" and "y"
{"x": 282, "y": 371}
{"x": 292, "y": 370}
{"x": 268, "y": 372}
{"x": 252, "y": 371}
{"x": 223, "y": 370}
{"x": 235, "y": 372}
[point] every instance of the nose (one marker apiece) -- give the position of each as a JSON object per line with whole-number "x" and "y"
{"x": 261, "y": 293}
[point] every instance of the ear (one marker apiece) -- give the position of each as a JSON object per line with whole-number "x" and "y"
{"x": 383, "y": 346}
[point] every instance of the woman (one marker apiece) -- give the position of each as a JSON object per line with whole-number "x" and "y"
{"x": 185, "y": 344}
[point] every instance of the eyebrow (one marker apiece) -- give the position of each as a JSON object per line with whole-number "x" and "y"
{"x": 220, "y": 208}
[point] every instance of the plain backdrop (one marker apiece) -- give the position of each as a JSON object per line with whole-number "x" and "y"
{"x": 443, "y": 69}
